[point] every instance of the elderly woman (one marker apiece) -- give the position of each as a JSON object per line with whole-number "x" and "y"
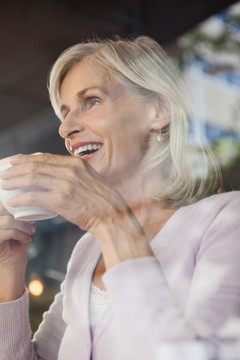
{"x": 160, "y": 259}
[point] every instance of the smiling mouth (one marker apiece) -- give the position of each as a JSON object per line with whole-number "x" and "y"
{"x": 85, "y": 150}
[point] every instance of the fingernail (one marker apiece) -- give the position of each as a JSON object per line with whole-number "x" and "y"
{"x": 33, "y": 229}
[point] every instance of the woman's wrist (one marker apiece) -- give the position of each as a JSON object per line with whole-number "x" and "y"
{"x": 12, "y": 293}
{"x": 122, "y": 238}
{"x": 12, "y": 284}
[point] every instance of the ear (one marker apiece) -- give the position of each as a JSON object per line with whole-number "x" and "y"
{"x": 160, "y": 116}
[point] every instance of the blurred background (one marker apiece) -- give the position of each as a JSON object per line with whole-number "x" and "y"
{"x": 203, "y": 38}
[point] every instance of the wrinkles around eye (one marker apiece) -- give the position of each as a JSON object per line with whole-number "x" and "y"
{"x": 92, "y": 101}
{"x": 88, "y": 103}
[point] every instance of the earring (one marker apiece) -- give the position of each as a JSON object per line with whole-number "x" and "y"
{"x": 159, "y": 137}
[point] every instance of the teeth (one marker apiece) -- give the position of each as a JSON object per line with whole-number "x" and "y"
{"x": 86, "y": 147}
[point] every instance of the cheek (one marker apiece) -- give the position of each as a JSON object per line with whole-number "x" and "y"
{"x": 100, "y": 125}
{"x": 98, "y": 121}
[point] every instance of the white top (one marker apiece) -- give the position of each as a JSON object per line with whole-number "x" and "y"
{"x": 99, "y": 301}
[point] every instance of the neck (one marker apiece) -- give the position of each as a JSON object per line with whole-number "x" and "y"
{"x": 151, "y": 216}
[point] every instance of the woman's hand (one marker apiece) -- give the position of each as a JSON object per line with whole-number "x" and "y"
{"x": 14, "y": 238}
{"x": 70, "y": 187}
{"x": 66, "y": 185}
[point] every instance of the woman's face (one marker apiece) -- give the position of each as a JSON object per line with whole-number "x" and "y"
{"x": 103, "y": 122}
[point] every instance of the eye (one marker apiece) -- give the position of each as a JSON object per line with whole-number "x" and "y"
{"x": 64, "y": 115}
{"x": 92, "y": 101}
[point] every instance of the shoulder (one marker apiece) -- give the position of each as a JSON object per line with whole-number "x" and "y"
{"x": 215, "y": 217}
{"x": 221, "y": 209}
{"x": 223, "y": 230}
{"x": 211, "y": 207}
{"x": 222, "y": 200}
{"x": 206, "y": 211}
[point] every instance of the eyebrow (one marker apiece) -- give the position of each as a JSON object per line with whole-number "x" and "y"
{"x": 81, "y": 93}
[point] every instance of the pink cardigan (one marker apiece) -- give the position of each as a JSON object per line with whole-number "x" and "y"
{"x": 189, "y": 290}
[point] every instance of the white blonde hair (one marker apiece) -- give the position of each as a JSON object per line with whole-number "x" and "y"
{"x": 144, "y": 68}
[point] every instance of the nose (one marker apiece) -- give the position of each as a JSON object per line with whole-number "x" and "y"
{"x": 71, "y": 125}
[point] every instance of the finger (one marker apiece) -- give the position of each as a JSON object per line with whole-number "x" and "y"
{"x": 15, "y": 235}
{"x": 64, "y": 167}
{"x": 3, "y": 211}
{"x": 55, "y": 167}
{"x": 41, "y": 157}
{"x": 7, "y": 222}
{"x": 38, "y": 198}
{"x": 30, "y": 167}
{"x": 36, "y": 181}
{"x": 46, "y": 177}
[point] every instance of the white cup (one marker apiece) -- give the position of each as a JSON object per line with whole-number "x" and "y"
{"x": 22, "y": 213}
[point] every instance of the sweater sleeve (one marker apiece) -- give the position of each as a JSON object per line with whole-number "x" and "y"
{"x": 15, "y": 332}
{"x": 47, "y": 339}
{"x": 145, "y": 309}
{"x": 214, "y": 301}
